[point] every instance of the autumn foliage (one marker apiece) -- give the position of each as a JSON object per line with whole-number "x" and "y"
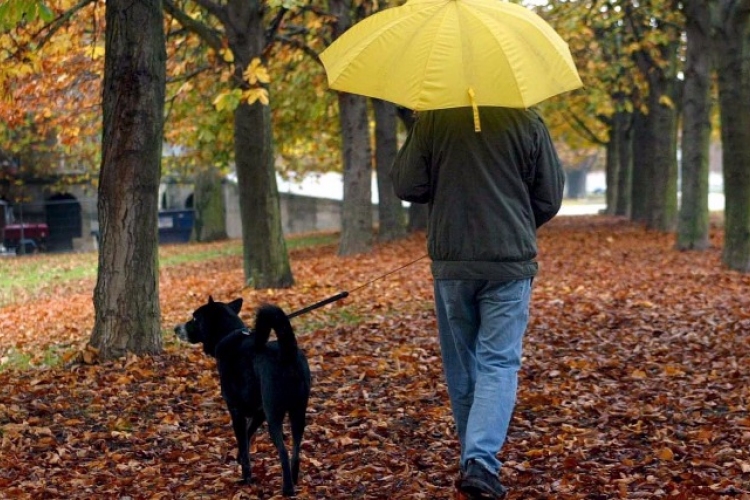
{"x": 635, "y": 383}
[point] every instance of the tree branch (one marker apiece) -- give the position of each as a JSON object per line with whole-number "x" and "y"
{"x": 583, "y": 129}
{"x": 60, "y": 21}
{"x": 274, "y": 28}
{"x": 294, "y": 43}
{"x": 214, "y": 9}
{"x": 202, "y": 30}
{"x": 189, "y": 75}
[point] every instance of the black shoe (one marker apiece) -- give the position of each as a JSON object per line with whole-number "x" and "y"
{"x": 479, "y": 483}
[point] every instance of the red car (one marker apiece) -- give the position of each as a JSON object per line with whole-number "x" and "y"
{"x": 33, "y": 237}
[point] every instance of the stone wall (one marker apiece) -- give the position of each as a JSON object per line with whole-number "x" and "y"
{"x": 299, "y": 214}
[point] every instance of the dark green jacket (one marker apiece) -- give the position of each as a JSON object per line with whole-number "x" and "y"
{"x": 487, "y": 191}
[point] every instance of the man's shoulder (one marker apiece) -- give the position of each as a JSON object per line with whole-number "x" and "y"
{"x": 531, "y": 114}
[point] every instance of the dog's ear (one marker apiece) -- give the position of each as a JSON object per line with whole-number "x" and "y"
{"x": 236, "y": 305}
{"x": 210, "y": 299}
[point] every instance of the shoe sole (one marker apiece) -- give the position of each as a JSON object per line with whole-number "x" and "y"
{"x": 477, "y": 490}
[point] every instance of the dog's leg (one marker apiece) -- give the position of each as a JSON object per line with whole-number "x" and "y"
{"x": 255, "y": 423}
{"x": 297, "y": 421}
{"x": 275, "y": 429}
{"x": 239, "y": 424}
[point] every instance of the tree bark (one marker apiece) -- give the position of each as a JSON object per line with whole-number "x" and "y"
{"x": 391, "y": 213}
{"x": 693, "y": 222}
{"x": 265, "y": 256}
{"x": 126, "y": 297}
{"x": 662, "y": 203}
{"x": 209, "y": 205}
{"x": 732, "y": 46}
{"x": 654, "y": 176}
{"x": 612, "y": 169}
{"x": 642, "y": 167}
{"x": 624, "y": 136}
{"x": 356, "y": 211}
{"x": 659, "y": 66}
{"x": 575, "y": 183}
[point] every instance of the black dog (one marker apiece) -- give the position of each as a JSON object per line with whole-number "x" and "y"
{"x": 260, "y": 380}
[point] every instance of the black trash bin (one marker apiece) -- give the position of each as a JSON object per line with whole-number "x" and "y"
{"x": 175, "y": 226}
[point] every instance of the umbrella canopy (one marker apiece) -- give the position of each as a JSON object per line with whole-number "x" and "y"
{"x": 436, "y": 54}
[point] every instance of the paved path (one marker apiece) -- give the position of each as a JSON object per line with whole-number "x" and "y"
{"x": 715, "y": 204}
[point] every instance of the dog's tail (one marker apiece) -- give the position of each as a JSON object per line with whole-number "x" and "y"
{"x": 270, "y": 317}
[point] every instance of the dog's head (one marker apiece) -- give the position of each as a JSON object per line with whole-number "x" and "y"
{"x": 210, "y": 323}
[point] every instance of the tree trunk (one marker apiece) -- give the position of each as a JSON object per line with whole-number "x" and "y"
{"x": 126, "y": 297}
{"x": 265, "y": 256}
{"x": 693, "y": 223}
{"x": 391, "y": 213}
{"x": 356, "y": 210}
{"x": 663, "y": 100}
{"x": 642, "y": 167}
{"x": 662, "y": 213}
{"x": 733, "y": 68}
{"x": 611, "y": 169}
{"x": 209, "y": 205}
{"x": 575, "y": 182}
{"x": 624, "y": 136}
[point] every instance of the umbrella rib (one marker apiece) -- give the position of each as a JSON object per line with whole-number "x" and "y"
{"x": 521, "y": 15}
{"x": 443, "y": 13}
{"x": 483, "y": 22}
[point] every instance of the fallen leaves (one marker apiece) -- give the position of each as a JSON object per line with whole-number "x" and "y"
{"x": 635, "y": 383}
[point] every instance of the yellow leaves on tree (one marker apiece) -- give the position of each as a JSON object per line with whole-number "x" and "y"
{"x": 227, "y": 100}
{"x": 226, "y": 54}
{"x": 256, "y": 94}
{"x": 256, "y": 74}
{"x": 54, "y": 82}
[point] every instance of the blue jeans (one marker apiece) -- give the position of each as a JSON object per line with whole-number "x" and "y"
{"x": 481, "y": 326}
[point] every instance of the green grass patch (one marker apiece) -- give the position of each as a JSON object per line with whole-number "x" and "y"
{"x": 231, "y": 249}
{"x": 336, "y": 317}
{"x": 25, "y": 277}
{"x": 311, "y": 240}
{"x": 17, "y": 360}
{"x": 22, "y": 277}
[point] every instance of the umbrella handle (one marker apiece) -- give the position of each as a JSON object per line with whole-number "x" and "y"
{"x": 475, "y": 110}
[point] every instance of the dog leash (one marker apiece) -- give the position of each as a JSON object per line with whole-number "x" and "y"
{"x": 323, "y": 302}
{"x": 344, "y": 294}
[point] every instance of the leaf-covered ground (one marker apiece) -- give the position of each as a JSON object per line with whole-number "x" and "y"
{"x": 635, "y": 384}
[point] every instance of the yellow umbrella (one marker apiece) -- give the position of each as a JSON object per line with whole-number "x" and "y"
{"x": 436, "y": 54}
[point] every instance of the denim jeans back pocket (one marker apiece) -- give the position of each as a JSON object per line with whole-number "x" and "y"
{"x": 505, "y": 291}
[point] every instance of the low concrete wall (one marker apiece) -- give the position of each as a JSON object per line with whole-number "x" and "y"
{"x": 299, "y": 214}
{"x": 303, "y": 214}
